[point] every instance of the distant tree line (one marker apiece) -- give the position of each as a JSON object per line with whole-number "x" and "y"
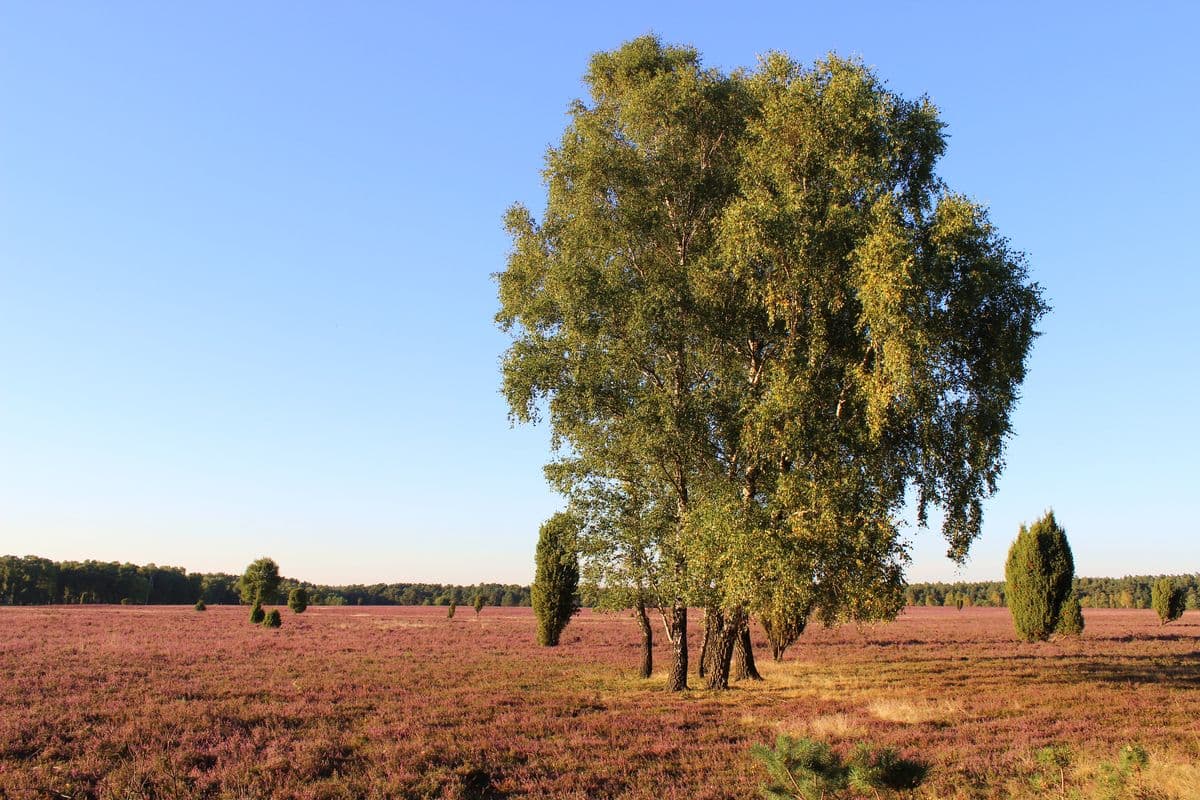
{"x": 32, "y": 580}
{"x": 1132, "y": 591}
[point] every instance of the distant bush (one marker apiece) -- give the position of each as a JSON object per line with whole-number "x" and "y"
{"x": 1038, "y": 577}
{"x": 273, "y": 620}
{"x": 1167, "y": 600}
{"x": 784, "y": 627}
{"x": 256, "y": 613}
{"x": 200, "y": 606}
{"x": 1070, "y": 617}
{"x": 479, "y": 604}
{"x": 298, "y": 599}
{"x": 807, "y": 769}
{"x": 450, "y": 613}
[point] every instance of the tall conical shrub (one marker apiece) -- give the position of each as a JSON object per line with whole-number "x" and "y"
{"x": 556, "y": 577}
{"x": 256, "y": 613}
{"x": 1038, "y": 578}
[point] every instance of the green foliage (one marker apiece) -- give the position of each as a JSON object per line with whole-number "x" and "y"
{"x": 298, "y": 599}
{"x": 1167, "y": 600}
{"x": 1070, "y": 617}
{"x": 273, "y": 619}
{"x": 1053, "y": 762}
{"x": 806, "y": 769}
{"x": 556, "y": 577}
{"x": 256, "y": 613}
{"x": 1055, "y": 772}
{"x": 260, "y": 582}
{"x": 200, "y": 606}
{"x": 450, "y": 611}
{"x": 784, "y": 627}
{"x": 1038, "y": 576}
{"x": 479, "y": 603}
{"x": 753, "y": 307}
{"x": 883, "y": 769}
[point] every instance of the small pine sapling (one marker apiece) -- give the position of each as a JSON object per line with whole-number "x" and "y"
{"x": 450, "y": 613}
{"x": 200, "y": 605}
{"x": 256, "y": 613}
{"x": 272, "y": 619}
{"x": 479, "y": 604}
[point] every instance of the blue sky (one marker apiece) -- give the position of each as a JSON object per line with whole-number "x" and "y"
{"x": 245, "y": 304}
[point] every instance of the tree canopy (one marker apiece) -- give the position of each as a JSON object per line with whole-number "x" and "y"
{"x": 752, "y": 307}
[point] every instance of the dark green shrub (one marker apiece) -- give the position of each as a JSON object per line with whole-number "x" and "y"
{"x": 298, "y": 599}
{"x": 1167, "y": 600}
{"x": 479, "y": 604}
{"x": 806, "y": 769}
{"x": 1070, "y": 617}
{"x": 272, "y": 619}
{"x": 555, "y": 588}
{"x": 450, "y": 613}
{"x": 873, "y": 770}
{"x": 200, "y": 606}
{"x": 1038, "y": 577}
{"x": 256, "y": 613}
{"x": 800, "y": 769}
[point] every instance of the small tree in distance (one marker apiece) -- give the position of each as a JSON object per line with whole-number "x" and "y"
{"x": 200, "y": 605}
{"x": 260, "y": 581}
{"x": 256, "y": 613}
{"x": 298, "y": 599}
{"x": 450, "y": 612}
{"x": 1070, "y": 617}
{"x": 556, "y": 577}
{"x": 479, "y": 604}
{"x": 1167, "y": 600}
{"x": 784, "y": 628}
{"x": 1038, "y": 578}
{"x": 273, "y": 620}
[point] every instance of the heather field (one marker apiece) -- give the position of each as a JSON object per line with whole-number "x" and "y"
{"x": 386, "y": 702}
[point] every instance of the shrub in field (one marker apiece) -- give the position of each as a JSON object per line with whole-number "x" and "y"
{"x": 556, "y": 577}
{"x": 784, "y": 628}
{"x": 1070, "y": 617}
{"x": 1115, "y": 776}
{"x": 256, "y": 613}
{"x": 200, "y": 606}
{"x": 273, "y": 620}
{"x": 479, "y": 604}
{"x": 298, "y": 599}
{"x": 1038, "y": 577}
{"x": 1167, "y": 600}
{"x": 260, "y": 581}
{"x": 450, "y": 612}
{"x": 807, "y": 769}
{"x": 1053, "y": 762}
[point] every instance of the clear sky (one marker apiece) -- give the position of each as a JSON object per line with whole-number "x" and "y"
{"x": 245, "y": 248}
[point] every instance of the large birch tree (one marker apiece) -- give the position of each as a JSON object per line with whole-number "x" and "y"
{"x": 751, "y": 302}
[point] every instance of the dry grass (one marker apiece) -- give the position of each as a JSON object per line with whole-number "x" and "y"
{"x": 945, "y": 711}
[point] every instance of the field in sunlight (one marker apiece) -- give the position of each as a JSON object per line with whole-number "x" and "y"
{"x": 167, "y": 702}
